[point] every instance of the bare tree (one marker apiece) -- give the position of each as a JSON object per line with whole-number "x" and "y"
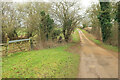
{"x": 68, "y": 15}
{"x": 95, "y": 24}
{"x": 33, "y": 18}
{"x": 9, "y": 20}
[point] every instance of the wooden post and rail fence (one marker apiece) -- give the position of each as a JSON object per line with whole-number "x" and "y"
{"x": 16, "y": 46}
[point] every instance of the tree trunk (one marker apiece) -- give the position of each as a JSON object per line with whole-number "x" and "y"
{"x": 67, "y": 38}
{"x": 105, "y": 20}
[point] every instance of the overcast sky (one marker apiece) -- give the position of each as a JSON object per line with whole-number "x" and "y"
{"x": 83, "y": 3}
{"x": 87, "y": 3}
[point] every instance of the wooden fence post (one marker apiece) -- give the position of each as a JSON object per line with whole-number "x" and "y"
{"x": 7, "y": 46}
{"x": 31, "y": 43}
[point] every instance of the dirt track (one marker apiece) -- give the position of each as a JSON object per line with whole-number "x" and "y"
{"x": 96, "y": 62}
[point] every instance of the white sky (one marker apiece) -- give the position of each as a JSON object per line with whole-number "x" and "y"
{"x": 87, "y": 3}
{"x": 84, "y": 3}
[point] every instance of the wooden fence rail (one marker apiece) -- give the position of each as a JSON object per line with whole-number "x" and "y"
{"x": 16, "y": 46}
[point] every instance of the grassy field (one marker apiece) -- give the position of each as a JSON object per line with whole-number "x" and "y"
{"x": 50, "y": 63}
{"x": 110, "y": 47}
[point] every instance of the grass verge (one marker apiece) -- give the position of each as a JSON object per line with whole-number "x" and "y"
{"x": 75, "y": 36}
{"x": 50, "y": 63}
{"x": 98, "y": 42}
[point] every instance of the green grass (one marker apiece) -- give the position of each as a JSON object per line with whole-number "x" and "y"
{"x": 54, "y": 62}
{"x": 98, "y": 42}
{"x": 83, "y": 31}
{"x": 110, "y": 47}
{"x": 75, "y": 36}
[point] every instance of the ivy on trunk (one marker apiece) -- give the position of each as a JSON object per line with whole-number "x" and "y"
{"x": 105, "y": 20}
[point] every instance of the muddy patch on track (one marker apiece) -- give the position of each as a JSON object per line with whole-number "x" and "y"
{"x": 74, "y": 48}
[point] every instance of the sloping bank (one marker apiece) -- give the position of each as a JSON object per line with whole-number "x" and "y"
{"x": 98, "y": 42}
